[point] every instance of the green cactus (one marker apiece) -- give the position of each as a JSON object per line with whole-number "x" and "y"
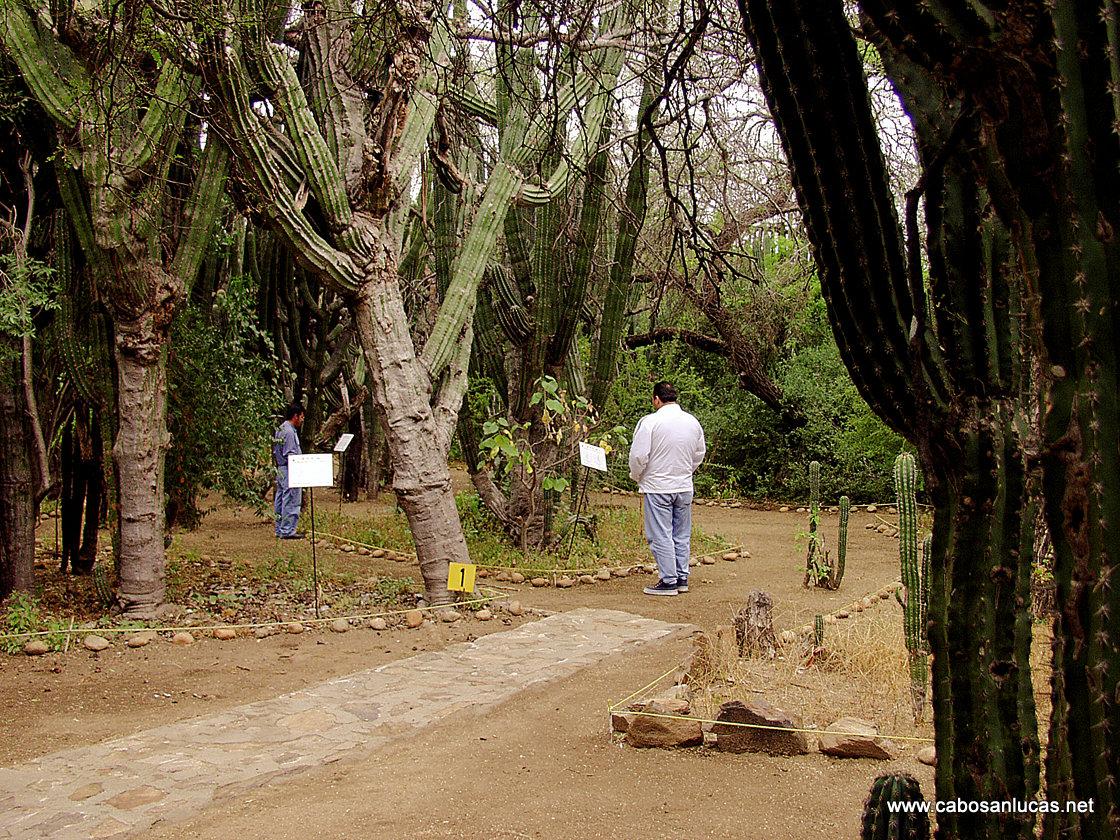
{"x": 880, "y": 822}
{"x": 818, "y": 631}
{"x": 102, "y": 585}
{"x": 905, "y": 485}
{"x": 923, "y": 587}
{"x": 837, "y": 574}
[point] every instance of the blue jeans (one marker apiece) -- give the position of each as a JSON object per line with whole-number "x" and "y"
{"x": 668, "y": 524}
{"x": 286, "y": 503}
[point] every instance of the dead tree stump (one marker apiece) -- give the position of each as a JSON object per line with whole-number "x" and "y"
{"x": 754, "y": 626}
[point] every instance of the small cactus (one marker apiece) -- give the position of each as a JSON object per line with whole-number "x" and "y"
{"x": 102, "y": 585}
{"x": 880, "y": 822}
{"x": 905, "y": 483}
{"x": 837, "y": 573}
{"x": 818, "y": 631}
{"x": 820, "y": 569}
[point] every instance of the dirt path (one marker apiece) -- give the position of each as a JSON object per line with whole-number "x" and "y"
{"x": 538, "y": 766}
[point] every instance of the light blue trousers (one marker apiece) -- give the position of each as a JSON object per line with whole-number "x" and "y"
{"x": 286, "y": 503}
{"x": 668, "y": 523}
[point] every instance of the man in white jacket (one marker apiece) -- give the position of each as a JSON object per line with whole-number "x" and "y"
{"x": 668, "y": 448}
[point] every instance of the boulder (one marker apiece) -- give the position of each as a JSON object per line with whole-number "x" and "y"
{"x": 225, "y": 634}
{"x": 739, "y": 739}
{"x": 620, "y": 573}
{"x": 539, "y": 581}
{"x": 586, "y": 578}
{"x": 340, "y": 625}
{"x": 603, "y": 574}
{"x": 413, "y": 618}
{"x": 259, "y": 633}
{"x": 664, "y": 732}
{"x": 377, "y": 624}
{"x": 861, "y": 740}
{"x": 449, "y": 616}
{"x": 36, "y": 647}
{"x": 515, "y": 608}
{"x": 140, "y": 640}
{"x": 662, "y": 705}
{"x": 294, "y": 627}
{"x": 517, "y": 577}
{"x": 620, "y": 721}
{"x": 565, "y": 582}
{"x": 927, "y": 755}
{"x": 183, "y": 639}
{"x": 731, "y": 556}
{"x": 707, "y": 561}
{"x": 783, "y": 509}
{"x": 484, "y": 615}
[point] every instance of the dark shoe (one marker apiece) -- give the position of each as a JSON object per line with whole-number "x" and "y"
{"x": 682, "y": 585}
{"x": 298, "y": 536}
{"x": 662, "y": 588}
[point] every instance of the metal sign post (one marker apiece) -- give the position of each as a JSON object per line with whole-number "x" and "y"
{"x": 590, "y": 458}
{"x": 312, "y": 471}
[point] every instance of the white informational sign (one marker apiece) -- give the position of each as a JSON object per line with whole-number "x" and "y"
{"x": 311, "y": 470}
{"x": 594, "y": 457}
{"x": 343, "y": 443}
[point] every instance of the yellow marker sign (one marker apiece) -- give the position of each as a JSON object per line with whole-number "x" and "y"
{"x": 460, "y": 577}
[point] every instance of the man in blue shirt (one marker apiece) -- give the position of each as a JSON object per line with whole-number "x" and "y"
{"x": 287, "y": 500}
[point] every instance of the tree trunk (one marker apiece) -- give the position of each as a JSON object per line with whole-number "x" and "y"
{"x": 138, "y": 452}
{"x": 417, "y": 451}
{"x": 17, "y": 503}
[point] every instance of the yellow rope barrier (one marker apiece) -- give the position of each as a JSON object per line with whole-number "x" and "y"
{"x": 187, "y": 628}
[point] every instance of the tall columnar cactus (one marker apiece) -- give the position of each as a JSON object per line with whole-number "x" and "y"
{"x": 818, "y": 631}
{"x": 923, "y": 588}
{"x": 905, "y": 485}
{"x": 881, "y": 822}
{"x": 936, "y": 343}
{"x": 816, "y": 567}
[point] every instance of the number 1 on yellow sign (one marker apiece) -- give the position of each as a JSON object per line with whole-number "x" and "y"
{"x": 460, "y": 577}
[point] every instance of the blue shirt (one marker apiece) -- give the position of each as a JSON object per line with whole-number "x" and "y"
{"x": 284, "y": 443}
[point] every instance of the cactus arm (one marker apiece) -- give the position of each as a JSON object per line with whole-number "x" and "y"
{"x": 51, "y": 71}
{"x": 631, "y": 219}
{"x": 162, "y": 121}
{"x": 501, "y": 188}
{"x": 202, "y": 211}
{"x": 228, "y": 75}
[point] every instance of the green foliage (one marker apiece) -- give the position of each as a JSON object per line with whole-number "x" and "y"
{"x": 22, "y": 617}
{"x": 27, "y": 287}
{"x": 750, "y": 453}
{"x": 220, "y": 407}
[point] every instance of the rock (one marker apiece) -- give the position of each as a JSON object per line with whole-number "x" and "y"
{"x": 262, "y": 632}
{"x": 871, "y": 508}
{"x": 861, "y": 741}
{"x": 788, "y": 637}
{"x": 783, "y": 509}
{"x": 95, "y": 643}
{"x": 347, "y": 548}
{"x": 340, "y": 625}
{"x": 662, "y": 706}
{"x": 740, "y": 739}
{"x": 664, "y": 733}
{"x": 377, "y": 624}
{"x": 620, "y": 721}
{"x": 843, "y": 614}
{"x": 413, "y": 618}
{"x": 539, "y": 581}
{"x": 681, "y": 691}
{"x": 377, "y": 552}
{"x": 830, "y": 619}
{"x": 707, "y": 561}
{"x": 515, "y": 608}
{"x": 294, "y": 627}
{"x": 620, "y": 573}
{"x": 225, "y": 634}
{"x": 483, "y": 572}
{"x": 449, "y": 616}
{"x": 603, "y": 574}
{"x": 867, "y": 603}
{"x": 362, "y": 550}
{"x": 882, "y": 529}
{"x": 484, "y": 615}
{"x": 927, "y": 755}
{"x": 731, "y": 556}
{"x": 736, "y": 505}
{"x": 565, "y": 583}
{"x": 587, "y": 578}
{"x": 36, "y": 647}
{"x": 139, "y": 640}
{"x": 183, "y": 639}
{"x": 517, "y": 577}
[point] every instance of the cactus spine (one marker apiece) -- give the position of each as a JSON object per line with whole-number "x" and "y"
{"x": 881, "y": 823}
{"x": 905, "y": 485}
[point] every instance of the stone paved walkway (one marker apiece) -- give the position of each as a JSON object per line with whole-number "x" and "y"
{"x": 168, "y": 773}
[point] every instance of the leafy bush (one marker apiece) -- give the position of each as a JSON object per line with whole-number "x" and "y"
{"x": 220, "y": 408}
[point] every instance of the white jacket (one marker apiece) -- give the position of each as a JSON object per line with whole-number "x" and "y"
{"x": 667, "y": 449}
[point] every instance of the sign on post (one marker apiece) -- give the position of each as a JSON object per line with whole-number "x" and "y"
{"x": 594, "y": 457}
{"x": 343, "y": 442}
{"x": 311, "y": 470}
